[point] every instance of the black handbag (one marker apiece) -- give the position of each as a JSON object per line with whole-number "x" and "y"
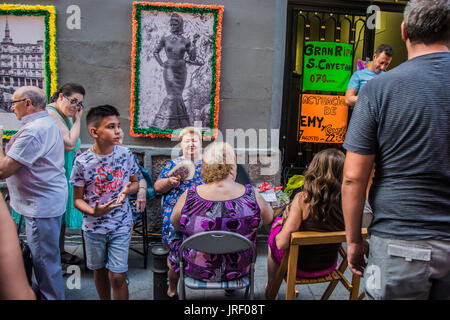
{"x": 26, "y": 254}
{"x": 27, "y": 261}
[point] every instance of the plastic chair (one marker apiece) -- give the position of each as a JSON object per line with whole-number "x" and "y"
{"x": 288, "y": 267}
{"x": 218, "y": 242}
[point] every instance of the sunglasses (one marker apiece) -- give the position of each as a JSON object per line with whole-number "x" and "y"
{"x": 74, "y": 102}
{"x": 10, "y": 103}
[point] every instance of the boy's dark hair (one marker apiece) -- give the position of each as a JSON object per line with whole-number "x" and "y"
{"x": 387, "y": 49}
{"x": 96, "y": 114}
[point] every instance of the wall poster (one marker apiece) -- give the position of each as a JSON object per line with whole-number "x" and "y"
{"x": 323, "y": 118}
{"x": 327, "y": 66}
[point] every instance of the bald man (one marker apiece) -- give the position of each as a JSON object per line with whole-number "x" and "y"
{"x": 33, "y": 166}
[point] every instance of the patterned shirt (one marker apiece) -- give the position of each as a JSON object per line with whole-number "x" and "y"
{"x": 103, "y": 178}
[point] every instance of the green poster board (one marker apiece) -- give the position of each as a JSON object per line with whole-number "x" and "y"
{"x": 327, "y": 66}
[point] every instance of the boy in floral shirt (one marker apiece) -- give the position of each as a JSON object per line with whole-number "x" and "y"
{"x": 102, "y": 178}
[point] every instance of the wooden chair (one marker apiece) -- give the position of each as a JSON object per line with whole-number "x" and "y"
{"x": 288, "y": 267}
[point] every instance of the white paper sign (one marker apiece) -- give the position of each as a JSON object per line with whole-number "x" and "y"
{"x": 269, "y": 195}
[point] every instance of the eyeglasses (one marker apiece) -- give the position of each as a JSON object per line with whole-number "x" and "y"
{"x": 15, "y": 101}
{"x": 74, "y": 102}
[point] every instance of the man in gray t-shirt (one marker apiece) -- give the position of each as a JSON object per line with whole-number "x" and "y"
{"x": 401, "y": 123}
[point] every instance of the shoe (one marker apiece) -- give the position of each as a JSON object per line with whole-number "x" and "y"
{"x": 69, "y": 258}
{"x": 175, "y": 297}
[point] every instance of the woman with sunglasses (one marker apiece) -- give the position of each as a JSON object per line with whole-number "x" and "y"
{"x": 66, "y": 107}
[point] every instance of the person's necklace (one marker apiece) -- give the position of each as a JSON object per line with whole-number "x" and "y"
{"x": 109, "y": 176}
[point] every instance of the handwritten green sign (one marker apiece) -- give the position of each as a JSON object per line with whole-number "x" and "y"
{"x": 327, "y": 66}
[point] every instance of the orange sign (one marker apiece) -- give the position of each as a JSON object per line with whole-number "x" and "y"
{"x": 323, "y": 118}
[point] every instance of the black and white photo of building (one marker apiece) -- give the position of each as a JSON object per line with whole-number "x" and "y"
{"x": 21, "y": 60}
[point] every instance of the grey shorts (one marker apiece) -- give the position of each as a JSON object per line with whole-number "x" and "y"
{"x": 108, "y": 251}
{"x": 408, "y": 269}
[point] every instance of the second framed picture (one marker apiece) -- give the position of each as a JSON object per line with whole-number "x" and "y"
{"x": 175, "y": 68}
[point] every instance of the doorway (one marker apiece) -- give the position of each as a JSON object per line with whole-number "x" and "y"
{"x": 334, "y": 22}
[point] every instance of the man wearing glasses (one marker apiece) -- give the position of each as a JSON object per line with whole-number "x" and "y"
{"x": 33, "y": 166}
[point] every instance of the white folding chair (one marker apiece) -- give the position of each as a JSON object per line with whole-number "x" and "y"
{"x": 218, "y": 242}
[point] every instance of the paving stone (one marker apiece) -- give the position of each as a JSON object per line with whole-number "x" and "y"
{"x": 141, "y": 281}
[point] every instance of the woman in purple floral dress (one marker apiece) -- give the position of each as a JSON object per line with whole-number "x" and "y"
{"x": 220, "y": 204}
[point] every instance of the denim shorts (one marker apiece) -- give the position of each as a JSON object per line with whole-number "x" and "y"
{"x": 108, "y": 251}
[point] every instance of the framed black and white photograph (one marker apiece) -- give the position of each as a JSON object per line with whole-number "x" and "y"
{"x": 175, "y": 68}
{"x": 27, "y": 54}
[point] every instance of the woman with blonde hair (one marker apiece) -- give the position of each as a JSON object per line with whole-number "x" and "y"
{"x": 219, "y": 204}
{"x": 173, "y": 185}
{"x": 316, "y": 208}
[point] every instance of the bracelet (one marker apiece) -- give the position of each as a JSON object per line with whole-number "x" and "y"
{"x": 142, "y": 188}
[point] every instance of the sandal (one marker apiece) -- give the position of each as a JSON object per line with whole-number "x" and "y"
{"x": 69, "y": 258}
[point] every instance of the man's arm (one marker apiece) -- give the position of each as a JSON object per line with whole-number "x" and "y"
{"x": 357, "y": 169}
{"x": 351, "y": 97}
{"x": 8, "y": 166}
